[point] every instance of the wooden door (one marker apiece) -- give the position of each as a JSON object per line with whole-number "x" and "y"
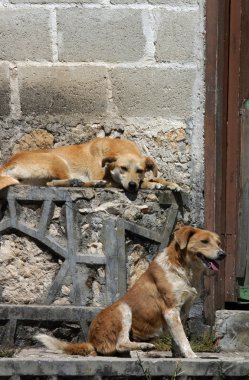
{"x": 227, "y": 78}
{"x": 243, "y": 224}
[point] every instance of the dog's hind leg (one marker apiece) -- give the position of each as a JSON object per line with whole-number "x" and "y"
{"x": 133, "y": 346}
{"x": 35, "y": 167}
{"x": 124, "y": 344}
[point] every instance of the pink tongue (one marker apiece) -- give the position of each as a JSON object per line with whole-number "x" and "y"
{"x": 213, "y": 265}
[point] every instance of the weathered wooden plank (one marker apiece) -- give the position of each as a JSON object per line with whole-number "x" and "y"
{"x": 46, "y": 216}
{"x": 216, "y": 74}
{"x": 9, "y": 334}
{"x": 35, "y": 193}
{"x": 12, "y": 210}
{"x": 167, "y": 198}
{"x": 71, "y": 248}
{"x": 122, "y": 258}
{"x": 5, "y": 225}
{"x": 111, "y": 252}
{"x": 142, "y": 231}
{"x": 84, "y": 329}
{"x": 37, "y": 235}
{"x": 169, "y": 226}
{"x": 47, "y": 313}
{"x": 90, "y": 259}
{"x": 56, "y": 284}
{"x": 243, "y": 231}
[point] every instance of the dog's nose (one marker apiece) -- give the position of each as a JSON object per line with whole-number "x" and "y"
{"x": 132, "y": 186}
{"x": 221, "y": 255}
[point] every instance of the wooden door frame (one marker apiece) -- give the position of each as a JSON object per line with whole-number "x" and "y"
{"x": 222, "y": 143}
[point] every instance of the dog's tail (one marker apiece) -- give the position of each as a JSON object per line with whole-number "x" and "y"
{"x": 54, "y": 344}
{"x": 6, "y": 181}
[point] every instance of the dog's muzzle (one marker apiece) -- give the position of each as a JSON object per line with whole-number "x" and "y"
{"x": 132, "y": 186}
{"x": 211, "y": 263}
{"x": 221, "y": 255}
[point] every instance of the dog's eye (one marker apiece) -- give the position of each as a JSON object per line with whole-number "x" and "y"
{"x": 205, "y": 241}
{"x": 139, "y": 171}
{"x": 124, "y": 168}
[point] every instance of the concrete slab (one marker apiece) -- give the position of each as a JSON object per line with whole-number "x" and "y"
{"x": 36, "y": 362}
{"x": 232, "y": 330}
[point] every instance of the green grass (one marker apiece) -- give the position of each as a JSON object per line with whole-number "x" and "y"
{"x": 6, "y": 352}
{"x": 203, "y": 343}
{"x": 163, "y": 343}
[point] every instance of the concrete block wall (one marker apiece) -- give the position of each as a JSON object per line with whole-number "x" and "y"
{"x": 84, "y": 68}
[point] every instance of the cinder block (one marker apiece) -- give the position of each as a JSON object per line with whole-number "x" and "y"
{"x": 4, "y": 90}
{"x": 63, "y": 90}
{"x": 153, "y": 92}
{"x": 56, "y": 1}
{"x": 128, "y": 1}
{"x": 111, "y": 35}
{"x": 173, "y": 2}
{"x": 162, "y": 2}
{"x": 176, "y": 36}
{"x": 24, "y": 34}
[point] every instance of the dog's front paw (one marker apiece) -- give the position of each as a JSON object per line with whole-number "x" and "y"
{"x": 191, "y": 355}
{"x": 156, "y": 186}
{"x": 147, "y": 346}
{"x": 75, "y": 182}
{"x": 151, "y": 185}
{"x": 159, "y": 186}
{"x": 100, "y": 183}
{"x": 174, "y": 187}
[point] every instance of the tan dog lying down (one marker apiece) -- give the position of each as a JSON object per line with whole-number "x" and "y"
{"x": 160, "y": 299}
{"x": 115, "y": 162}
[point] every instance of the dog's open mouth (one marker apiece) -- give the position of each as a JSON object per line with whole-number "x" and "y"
{"x": 210, "y": 263}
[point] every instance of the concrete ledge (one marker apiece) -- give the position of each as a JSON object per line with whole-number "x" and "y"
{"x": 210, "y": 365}
{"x": 232, "y": 330}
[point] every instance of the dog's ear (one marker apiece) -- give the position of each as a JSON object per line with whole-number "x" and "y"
{"x": 151, "y": 165}
{"x": 108, "y": 160}
{"x": 183, "y": 234}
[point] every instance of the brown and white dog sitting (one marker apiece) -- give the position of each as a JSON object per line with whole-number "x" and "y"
{"x": 100, "y": 162}
{"x": 159, "y": 300}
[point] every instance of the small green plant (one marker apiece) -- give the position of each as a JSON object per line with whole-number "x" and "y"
{"x": 146, "y": 371}
{"x": 203, "y": 343}
{"x": 163, "y": 343}
{"x": 221, "y": 375}
{"x": 178, "y": 371}
{"x": 6, "y": 352}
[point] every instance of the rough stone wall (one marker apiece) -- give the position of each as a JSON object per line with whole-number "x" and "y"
{"x": 73, "y": 70}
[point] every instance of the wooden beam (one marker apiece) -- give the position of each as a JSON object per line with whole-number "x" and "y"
{"x": 233, "y": 150}
{"x": 217, "y": 30}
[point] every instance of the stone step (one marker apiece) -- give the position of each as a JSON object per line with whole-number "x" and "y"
{"x": 35, "y": 363}
{"x": 232, "y": 330}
